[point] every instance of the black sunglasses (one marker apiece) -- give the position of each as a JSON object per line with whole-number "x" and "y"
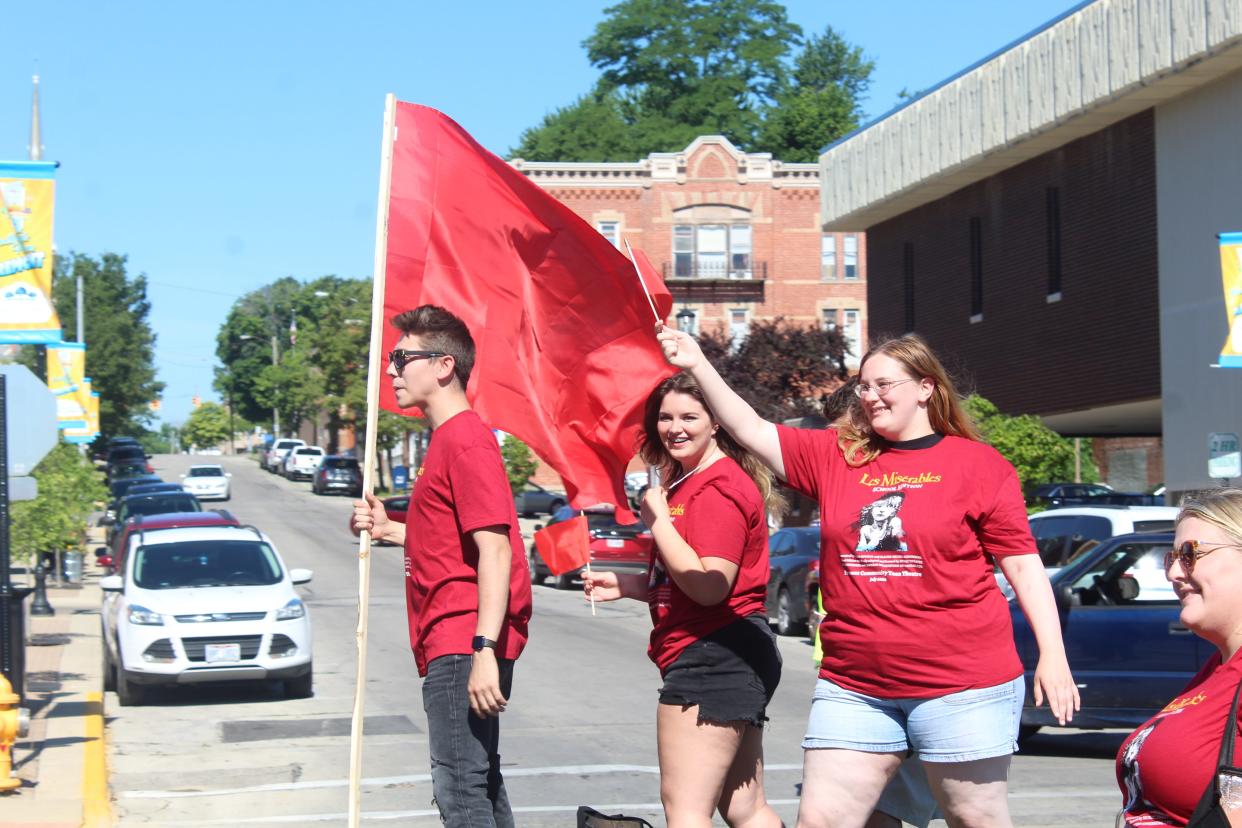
{"x": 1188, "y": 553}
{"x": 401, "y": 357}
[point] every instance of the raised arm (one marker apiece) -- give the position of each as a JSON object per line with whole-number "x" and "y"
{"x": 752, "y": 432}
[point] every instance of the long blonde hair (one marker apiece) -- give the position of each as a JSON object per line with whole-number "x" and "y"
{"x": 860, "y": 444}
{"x": 652, "y": 450}
{"x": 1220, "y": 507}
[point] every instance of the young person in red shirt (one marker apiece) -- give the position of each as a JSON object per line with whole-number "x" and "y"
{"x": 1165, "y": 766}
{"x": 468, "y": 595}
{"x": 918, "y": 646}
{"x": 706, "y": 588}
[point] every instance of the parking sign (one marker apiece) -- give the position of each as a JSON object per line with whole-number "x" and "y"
{"x": 1224, "y": 456}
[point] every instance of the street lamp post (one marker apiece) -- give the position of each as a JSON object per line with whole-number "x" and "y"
{"x": 685, "y": 321}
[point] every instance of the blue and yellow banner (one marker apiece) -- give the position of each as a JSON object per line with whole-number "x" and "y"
{"x": 27, "y": 199}
{"x": 1231, "y": 276}
{"x": 89, "y": 428}
{"x": 66, "y": 374}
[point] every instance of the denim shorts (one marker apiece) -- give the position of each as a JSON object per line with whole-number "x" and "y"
{"x": 730, "y": 674}
{"x": 960, "y": 727}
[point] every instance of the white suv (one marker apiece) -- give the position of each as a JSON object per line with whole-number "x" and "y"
{"x": 204, "y": 604}
{"x": 1063, "y": 534}
{"x": 275, "y": 457}
{"x": 302, "y": 462}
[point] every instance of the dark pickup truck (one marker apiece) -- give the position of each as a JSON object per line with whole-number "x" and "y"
{"x": 1057, "y": 495}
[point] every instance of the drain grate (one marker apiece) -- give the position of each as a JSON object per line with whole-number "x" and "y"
{"x": 261, "y": 730}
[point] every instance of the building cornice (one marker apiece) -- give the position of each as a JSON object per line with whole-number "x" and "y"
{"x": 1099, "y": 63}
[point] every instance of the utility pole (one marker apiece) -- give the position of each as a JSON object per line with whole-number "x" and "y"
{"x": 275, "y": 410}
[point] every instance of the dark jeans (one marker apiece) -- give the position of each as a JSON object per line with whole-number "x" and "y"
{"x": 465, "y": 757}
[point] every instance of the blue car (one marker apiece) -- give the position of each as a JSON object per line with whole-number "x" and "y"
{"x": 1128, "y": 650}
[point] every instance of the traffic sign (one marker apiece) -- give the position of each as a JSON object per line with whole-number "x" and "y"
{"x": 30, "y": 411}
{"x": 1224, "y": 455}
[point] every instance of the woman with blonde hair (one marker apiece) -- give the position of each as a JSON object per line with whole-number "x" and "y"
{"x": 707, "y": 590}
{"x": 1169, "y": 768}
{"x": 918, "y": 645}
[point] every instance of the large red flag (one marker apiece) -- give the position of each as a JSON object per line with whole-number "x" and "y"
{"x": 566, "y": 350}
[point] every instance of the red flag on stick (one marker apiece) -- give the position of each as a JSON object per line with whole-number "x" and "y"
{"x": 566, "y": 354}
{"x": 565, "y": 546}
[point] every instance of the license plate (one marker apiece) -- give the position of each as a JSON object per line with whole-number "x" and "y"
{"x": 615, "y": 544}
{"x": 222, "y": 652}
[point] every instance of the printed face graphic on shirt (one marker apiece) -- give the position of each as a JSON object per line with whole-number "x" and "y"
{"x": 879, "y": 525}
{"x": 1130, "y": 767}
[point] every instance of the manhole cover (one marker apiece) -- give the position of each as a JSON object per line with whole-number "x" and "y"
{"x": 260, "y": 730}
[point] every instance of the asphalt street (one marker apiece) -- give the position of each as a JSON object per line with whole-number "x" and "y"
{"x": 580, "y": 727}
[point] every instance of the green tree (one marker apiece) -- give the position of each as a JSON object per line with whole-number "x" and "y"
{"x": 69, "y": 488}
{"x": 244, "y": 347}
{"x": 671, "y": 70}
{"x": 520, "y": 462}
{"x": 1038, "y": 453}
{"x": 781, "y": 368}
{"x": 823, "y": 100}
{"x": 120, "y": 352}
{"x": 207, "y": 426}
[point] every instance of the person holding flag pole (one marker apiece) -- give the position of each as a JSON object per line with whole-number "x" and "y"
{"x": 468, "y": 594}
{"x": 707, "y": 588}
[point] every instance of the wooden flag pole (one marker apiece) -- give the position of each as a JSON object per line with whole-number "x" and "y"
{"x": 375, "y": 373}
{"x": 646, "y": 292}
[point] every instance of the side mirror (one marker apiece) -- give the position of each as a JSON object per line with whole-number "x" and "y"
{"x": 182, "y": 476}
{"x": 538, "y": 526}
{"x": 301, "y": 576}
{"x": 112, "y": 583}
{"x": 228, "y": 474}
{"x": 148, "y": 457}
{"x": 107, "y": 520}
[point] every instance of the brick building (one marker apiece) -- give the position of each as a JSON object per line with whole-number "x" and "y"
{"x": 737, "y": 235}
{"x": 1047, "y": 218}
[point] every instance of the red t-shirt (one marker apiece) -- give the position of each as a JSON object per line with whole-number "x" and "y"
{"x": 912, "y": 606}
{"x": 720, "y": 514}
{"x": 461, "y": 487}
{"x": 1164, "y": 766}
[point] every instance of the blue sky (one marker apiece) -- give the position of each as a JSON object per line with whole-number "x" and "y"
{"x": 224, "y": 145}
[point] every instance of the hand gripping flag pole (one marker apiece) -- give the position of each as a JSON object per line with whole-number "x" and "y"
{"x": 375, "y": 372}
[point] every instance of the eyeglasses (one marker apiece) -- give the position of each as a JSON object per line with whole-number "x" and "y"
{"x": 881, "y": 388}
{"x": 1188, "y": 553}
{"x": 401, "y": 357}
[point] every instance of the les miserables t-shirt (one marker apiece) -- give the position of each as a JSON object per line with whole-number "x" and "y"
{"x": 462, "y": 487}
{"x": 912, "y": 609}
{"x": 719, "y": 512}
{"x": 1164, "y": 766}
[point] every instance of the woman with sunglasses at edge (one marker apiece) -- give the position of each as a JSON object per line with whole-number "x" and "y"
{"x": 918, "y": 646}
{"x": 707, "y": 589}
{"x": 1166, "y": 765}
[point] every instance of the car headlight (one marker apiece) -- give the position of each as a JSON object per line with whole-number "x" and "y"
{"x": 294, "y": 609}
{"x": 142, "y": 615}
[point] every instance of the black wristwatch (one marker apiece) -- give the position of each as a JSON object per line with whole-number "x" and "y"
{"x": 479, "y": 642}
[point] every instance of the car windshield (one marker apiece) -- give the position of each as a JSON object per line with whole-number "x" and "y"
{"x": 206, "y": 471}
{"x": 209, "y": 563}
{"x": 286, "y": 444}
{"x": 120, "y": 487}
{"x": 314, "y": 451}
{"x": 160, "y": 504}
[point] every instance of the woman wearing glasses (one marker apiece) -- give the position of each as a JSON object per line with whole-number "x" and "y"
{"x": 918, "y": 646}
{"x": 1168, "y": 766}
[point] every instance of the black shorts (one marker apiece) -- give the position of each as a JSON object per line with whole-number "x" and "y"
{"x": 731, "y": 674}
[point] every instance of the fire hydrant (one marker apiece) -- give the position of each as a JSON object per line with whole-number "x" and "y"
{"x": 13, "y": 723}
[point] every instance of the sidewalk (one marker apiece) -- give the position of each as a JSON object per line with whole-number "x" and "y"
{"x": 61, "y": 760}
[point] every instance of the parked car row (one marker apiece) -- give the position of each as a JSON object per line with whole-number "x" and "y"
{"x": 1057, "y": 495}
{"x": 191, "y": 596}
{"x": 293, "y": 459}
{"x": 613, "y": 546}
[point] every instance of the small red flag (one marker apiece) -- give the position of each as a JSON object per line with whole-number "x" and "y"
{"x": 566, "y": 349}
{"x": 565, "y": 546}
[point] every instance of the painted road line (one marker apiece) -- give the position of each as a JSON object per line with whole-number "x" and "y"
{"x": 412, "y": 779}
